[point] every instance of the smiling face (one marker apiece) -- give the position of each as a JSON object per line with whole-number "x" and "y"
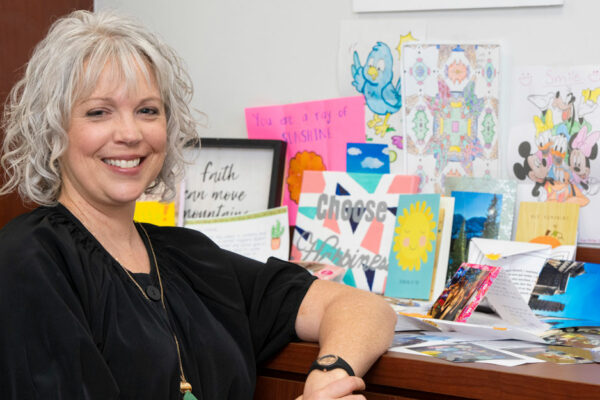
{"x": 414, "y": 236}
{"x": 117, "y": 142}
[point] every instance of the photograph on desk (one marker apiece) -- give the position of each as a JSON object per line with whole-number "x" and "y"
{"x": 555, "y": 354}
{"x": 348, "y": 219}
{"x": 369, "y": 64}
{"x": 554, "y": 132}
{"x": 506, "y": 189}
{"x": 476, "y": 214}
{"x": 464, "y": 352}
{"x": 567, "y": 289}
{"x": 465, "y": 290}
{"x": 450, "y": 95}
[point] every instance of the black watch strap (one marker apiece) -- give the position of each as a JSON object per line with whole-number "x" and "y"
{"x": 329, "y": 362}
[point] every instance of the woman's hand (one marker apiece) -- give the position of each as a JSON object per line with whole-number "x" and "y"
{"x": 332, "y": 385}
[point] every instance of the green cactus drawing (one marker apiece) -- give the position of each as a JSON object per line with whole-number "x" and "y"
{"x": 276, "y": 232}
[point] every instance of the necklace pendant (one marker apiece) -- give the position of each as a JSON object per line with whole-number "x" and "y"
{"x": 189, "y": 396}
{"x": 186, "y": 388}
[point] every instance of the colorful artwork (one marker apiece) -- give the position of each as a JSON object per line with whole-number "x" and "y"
{"x": 464, "y": 292}
{"x": 368, "y": 158}
{"x": 369, "y": 65}
{"x": 314, "y": 131}
{"x": 475, "y": 215}
{"x": 347, "y": 219}
{"x": 412, "y": 256}
{"x": 450, "y": 102}
{"x": 553, "y": 139}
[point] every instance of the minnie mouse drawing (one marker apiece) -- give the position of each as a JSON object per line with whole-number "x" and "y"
{"x": 582, "y": 149}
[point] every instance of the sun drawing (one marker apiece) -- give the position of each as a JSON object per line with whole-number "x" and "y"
{"x": 414, "y": 233}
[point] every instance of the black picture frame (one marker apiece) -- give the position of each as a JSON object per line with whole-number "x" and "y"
{"x": 265, "y": 158}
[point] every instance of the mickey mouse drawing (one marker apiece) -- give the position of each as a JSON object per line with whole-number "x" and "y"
{"x": 561, "y": 163}
{"x": 535, "y": 166}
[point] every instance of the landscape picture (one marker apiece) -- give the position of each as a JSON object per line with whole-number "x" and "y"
{"x": 475, "y": 215}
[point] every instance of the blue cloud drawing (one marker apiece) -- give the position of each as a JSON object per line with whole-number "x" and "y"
{"x": 371, "y": 162}
{"x": 354, "y": 151}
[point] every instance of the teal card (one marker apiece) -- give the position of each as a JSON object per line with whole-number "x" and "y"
{"x": 412, "y": 255}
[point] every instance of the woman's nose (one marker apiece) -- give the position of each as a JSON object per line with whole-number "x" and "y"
{"x": 127, "y": 130}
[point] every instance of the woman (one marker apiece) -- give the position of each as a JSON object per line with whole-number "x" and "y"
{"x": 95, "y": 306}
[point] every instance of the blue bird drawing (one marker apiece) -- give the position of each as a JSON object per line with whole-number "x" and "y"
{"x": 374, "y": 81}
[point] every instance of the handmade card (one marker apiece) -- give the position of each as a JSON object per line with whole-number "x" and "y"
{"x": 464, "y": 292}
{"x": 258, "y": 235}
{"x": 475, "y": 215}
{"x": 369, "y": 65}
{"x": 551, "y": 223}
{"x": 553, "y": 139}
{"x": 347, "y": 219}
{"x": 412, "y": 255}
{"x": 505, "y": 189}
{"x": 316, "y": 134}
{"x": 450, "y": 102}
{"x": 368, "y": 157}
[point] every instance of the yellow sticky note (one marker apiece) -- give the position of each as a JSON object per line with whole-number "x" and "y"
{"x": 154, "y": 212}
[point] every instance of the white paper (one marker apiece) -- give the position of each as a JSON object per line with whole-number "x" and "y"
{"x": 251, "y": 235}
{"x": 520, "y": 260}
{"x": 506, "y": 300}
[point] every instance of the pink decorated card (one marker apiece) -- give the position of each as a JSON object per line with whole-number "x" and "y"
{"x": 316, "y": 133}
{"x": 463, "y": 293}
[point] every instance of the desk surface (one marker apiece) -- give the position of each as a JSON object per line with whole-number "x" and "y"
{"x": 406, "y": 376}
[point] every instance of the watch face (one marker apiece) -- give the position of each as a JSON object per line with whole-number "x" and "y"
{"x": 327, "y": 360}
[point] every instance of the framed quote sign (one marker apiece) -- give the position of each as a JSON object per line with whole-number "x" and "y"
{"x": 230, "y": 177}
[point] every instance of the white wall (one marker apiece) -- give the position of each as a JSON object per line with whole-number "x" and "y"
{"x": 264, "y": 52}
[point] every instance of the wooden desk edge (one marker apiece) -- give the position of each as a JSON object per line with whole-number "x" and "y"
{"x": 398, "y": 372}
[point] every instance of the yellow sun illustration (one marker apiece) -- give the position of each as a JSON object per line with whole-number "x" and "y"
{"x": 415, "y": 231}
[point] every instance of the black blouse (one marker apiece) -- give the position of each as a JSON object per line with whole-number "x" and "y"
{"x": 75, "y": 326}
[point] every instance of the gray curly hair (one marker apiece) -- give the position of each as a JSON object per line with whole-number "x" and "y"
{"x": 65, "y": 67}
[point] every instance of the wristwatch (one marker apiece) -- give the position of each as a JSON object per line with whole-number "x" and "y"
{"x": 329, "y": 362}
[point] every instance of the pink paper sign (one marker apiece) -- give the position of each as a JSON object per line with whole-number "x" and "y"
{"x": 316, "y": 133}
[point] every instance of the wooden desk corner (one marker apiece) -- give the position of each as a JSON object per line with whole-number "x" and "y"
{"x": 398, "y": 376}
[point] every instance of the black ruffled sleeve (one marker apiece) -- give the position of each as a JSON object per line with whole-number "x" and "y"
{"x": 273, "y": 293}
{"x": 46, "y": 348}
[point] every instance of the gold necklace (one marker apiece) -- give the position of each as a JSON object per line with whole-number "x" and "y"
{"x": 184, "y": 386}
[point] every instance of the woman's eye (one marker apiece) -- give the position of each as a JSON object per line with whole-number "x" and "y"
{"x": 95, "y": 113}
{"x": 149, "y": 110}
